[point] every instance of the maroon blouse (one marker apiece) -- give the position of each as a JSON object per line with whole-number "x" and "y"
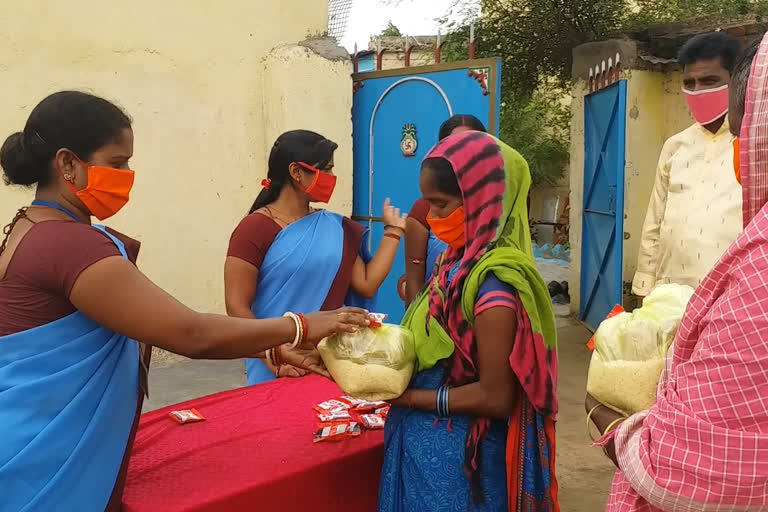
{"x": 254, "y": 235}
{"x": 420, "y": 211}
{"x": 44, "y": 267}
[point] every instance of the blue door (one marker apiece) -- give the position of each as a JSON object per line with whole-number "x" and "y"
{"x": 396, "y": 116}
{"x": 603, "y": 217}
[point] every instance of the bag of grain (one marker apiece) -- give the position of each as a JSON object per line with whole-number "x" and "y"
{"x": 630, "y": 350}
{"x": 371, "y": 364}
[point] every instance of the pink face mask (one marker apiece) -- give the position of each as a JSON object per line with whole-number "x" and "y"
{"x": 709, "y": 105}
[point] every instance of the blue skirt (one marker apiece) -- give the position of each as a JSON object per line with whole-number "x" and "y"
{"x": 423, "y": 460}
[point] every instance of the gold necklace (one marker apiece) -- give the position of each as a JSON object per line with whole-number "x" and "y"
{"x": 281, "y": 216}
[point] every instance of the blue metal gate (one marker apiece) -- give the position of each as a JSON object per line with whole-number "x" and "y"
{"x": 603, "y": 217}
{"x": 392, "y": 105}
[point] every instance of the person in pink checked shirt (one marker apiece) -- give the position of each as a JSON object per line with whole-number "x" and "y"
{"x": 703, "y": 446}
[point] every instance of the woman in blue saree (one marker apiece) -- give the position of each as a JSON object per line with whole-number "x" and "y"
{"x": 287, "y": 256}
{"x": 422, "y": 247}
{"x": 475, "y": 429}
{"x": 73, "y": 305}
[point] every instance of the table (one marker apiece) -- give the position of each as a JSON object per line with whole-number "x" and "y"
{"x": 253, "y": 452}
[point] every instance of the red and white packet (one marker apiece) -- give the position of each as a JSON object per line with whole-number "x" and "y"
{"x": 186, "y": 416}
{"x": 330, "y": 405}
{"x": 335, "y": 416}
{"x": 373, "y": 421}
{"x": 336, "y": 431}
{"x": 377, "y": 319}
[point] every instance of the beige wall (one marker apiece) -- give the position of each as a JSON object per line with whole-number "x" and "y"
{"x": 304, "y": 89}
{"x": 655, "y": 112}
{"x": 645, "y": 137}
{"x": 577, "y": 189}
{"x": 677, "y": 117}
{"x": 209, "y": 87}
{"x": 396, "y": 59}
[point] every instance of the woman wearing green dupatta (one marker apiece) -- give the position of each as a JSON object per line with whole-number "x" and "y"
{"x": 475, "y": 431}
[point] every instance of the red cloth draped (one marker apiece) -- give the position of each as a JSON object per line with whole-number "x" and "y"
{"x": 253, "y": 452}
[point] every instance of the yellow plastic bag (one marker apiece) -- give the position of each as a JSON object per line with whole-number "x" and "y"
{"x": 630, "y": 350}
{"x": 371, "y": 364}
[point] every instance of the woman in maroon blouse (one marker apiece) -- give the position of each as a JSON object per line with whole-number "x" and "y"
{"x": 288, "y": 256}
{"x": 73, "y": 304}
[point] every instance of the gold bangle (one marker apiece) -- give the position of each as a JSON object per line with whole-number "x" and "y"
{"x": 612, "y": 425}
{"x": 589, "y": 417}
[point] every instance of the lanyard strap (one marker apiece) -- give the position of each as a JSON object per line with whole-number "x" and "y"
{"x": 56, "y": 206}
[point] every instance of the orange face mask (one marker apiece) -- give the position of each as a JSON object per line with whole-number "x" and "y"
{"x": 449, "y": 229}
{"x": 108, "y": 190}
{"x": 321, "y": 188}
{"x": 736, "y": 160}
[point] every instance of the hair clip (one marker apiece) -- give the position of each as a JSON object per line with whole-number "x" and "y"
{"x": 266, "y": 183}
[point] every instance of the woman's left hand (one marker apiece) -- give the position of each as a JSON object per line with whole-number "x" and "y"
{"x": 590, "y": 402}
{"x": 401, "y": 401}
{"x": 290, "y": 371}
{"x": 305, "y": 358}
{"x": 392, "y": 216}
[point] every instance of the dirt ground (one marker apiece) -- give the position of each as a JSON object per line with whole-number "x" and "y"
{"x": 584, "y": 473}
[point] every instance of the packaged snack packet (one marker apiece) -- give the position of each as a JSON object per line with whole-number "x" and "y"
{"x": 373, "y": 421}
{"x": 351, "y": 401}
{"x": 186, "y": 416}
{"x": 364, "y": 406}
{"x": 377, "y": 319}
{"x": 335, "y": 416}
{"x": 330, "y": 405}
{"x": 336, "y": 431}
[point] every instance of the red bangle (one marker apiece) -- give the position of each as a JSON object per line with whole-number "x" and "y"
{"x": 277, "y": 357}
{"x": 393, "y": 236}
{"x": 303, "y": 321}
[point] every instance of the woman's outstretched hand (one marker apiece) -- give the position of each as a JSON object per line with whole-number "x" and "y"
{"x": 392, "y": 216}
{"x": 323, "y": 324}
{"x": 301, "y": 360}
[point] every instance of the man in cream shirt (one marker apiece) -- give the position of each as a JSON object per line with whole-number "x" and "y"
{"x": 695, "y": 210}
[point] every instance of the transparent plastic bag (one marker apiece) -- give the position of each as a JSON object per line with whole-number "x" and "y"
{"x": 665, "y": 306}
{"x": 630, "y": 350}
{"x": 371, "y": 364}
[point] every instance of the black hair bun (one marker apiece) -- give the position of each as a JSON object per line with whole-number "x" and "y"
{"x": 18, "y": 167}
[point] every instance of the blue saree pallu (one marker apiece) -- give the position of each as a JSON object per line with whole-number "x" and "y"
{"x": 68, "y": 393}
{"x": 297, "y": 274}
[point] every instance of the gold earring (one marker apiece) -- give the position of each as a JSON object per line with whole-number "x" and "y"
{"x": 69, "y": 177}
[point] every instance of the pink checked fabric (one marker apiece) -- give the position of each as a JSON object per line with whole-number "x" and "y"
{"x": 703, "y": 446}
{"x": 753, "y": 139}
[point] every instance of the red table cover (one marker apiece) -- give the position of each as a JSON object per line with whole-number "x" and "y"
{"x": 253, "y": 452}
